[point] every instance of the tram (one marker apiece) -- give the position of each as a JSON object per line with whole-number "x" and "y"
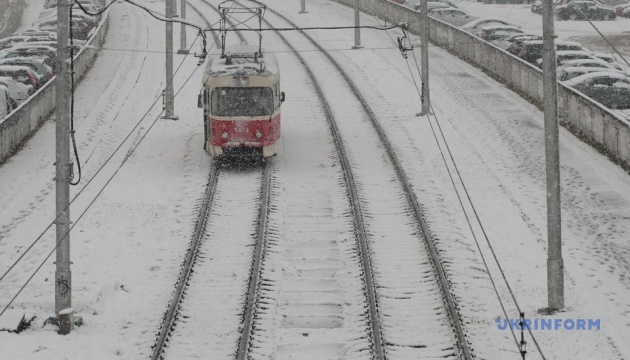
{"x": 241, "y": 100}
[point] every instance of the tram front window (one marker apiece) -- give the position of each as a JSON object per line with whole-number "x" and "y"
{"x": 242, "y": 101}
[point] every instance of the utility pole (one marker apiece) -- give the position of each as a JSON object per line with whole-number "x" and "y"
{"x": 555, "y": 267}
{"x": 169, "y": 94}
{"x": 424, "y": 54}
{"x": 183, "y": 49}
{"x": 63, "y": 276}
{"x": 357, "y": 23}
{"x": 303, "y": 11}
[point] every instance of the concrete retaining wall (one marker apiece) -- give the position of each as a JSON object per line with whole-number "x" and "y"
{"x": 594, "y": 122}
{"x": 30, "y": 115}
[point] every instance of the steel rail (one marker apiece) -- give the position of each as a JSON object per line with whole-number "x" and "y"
{"x": 170, "y": 316}
{"x": 449, "y": 299}
{"x": 357, "y": 212}
{"x": 254, "y": 280}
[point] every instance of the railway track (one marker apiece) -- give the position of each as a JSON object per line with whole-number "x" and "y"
{"x": 345, "y": 272}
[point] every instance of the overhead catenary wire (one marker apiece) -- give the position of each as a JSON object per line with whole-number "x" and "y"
{"x": 93, "y": 177}
{"x": 461, "y": 180}
{"x": 519, "y": 345}
{"x": 202, "y": 34}
{"x": 104, "y": 186}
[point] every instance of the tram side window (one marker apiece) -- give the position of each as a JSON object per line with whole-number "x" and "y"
{"x": 233, "y": 101}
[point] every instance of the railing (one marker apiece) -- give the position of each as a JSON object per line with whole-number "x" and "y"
{"x": 595, "y": 123}
{"x": 24, "y": 121}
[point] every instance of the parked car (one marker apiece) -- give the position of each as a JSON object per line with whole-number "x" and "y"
{"x": 18, "y": 92}
{"x": 38, "y": 33}
{"x": 48, "y": 57}
{"x": 22, "y": 74}
{"x": 452, "y": 16}
{"x": 584, "y": 10}
{"x": 611, "y": 89}
{"x": 80, "y": 29}
{"x": 563, "y": 56}
{"x": 432, "y": 5}
{"x": 515, "y": 41}
{"x": 532, "y": 50}
{"x": 623, "y": 10}
{"x": 5, "y": 102}
{"x": 593, "y": 62}
{"x": 497, "y": 32}
{"x": 536, "y": 7}
{"x": 44, "y": 71}
{"x": 609, "y": 59}
{"x": 477, "y": 24}
{"x": 565, "y": 73}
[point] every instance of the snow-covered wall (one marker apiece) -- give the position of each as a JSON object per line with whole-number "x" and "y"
{"x": 30, "y": 115}
{"x": 591, "y": 120}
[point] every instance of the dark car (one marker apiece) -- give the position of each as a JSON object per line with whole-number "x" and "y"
{"x": 611, "y": 89}
{"x": 584, "y": 10}
{"x": 21, "y": 74}
{"x": 44, "y": 71}
{"x": 47, "y": 56}
{"x": 513, "y": 44}
{"x": 497, "y": 32}
{"x": 532, "y": 50}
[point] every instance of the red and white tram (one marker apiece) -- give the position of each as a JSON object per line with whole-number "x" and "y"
{"x": 241, "y": 100}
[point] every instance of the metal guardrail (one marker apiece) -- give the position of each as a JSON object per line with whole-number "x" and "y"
{"x": 24, "y": 121}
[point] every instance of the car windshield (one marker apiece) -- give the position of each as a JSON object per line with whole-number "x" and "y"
{"x": 233, "y": 101}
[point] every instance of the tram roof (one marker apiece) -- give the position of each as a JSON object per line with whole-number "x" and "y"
{"x": 241, "y": 59}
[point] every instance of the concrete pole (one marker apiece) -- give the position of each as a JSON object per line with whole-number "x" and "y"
{"x": 357, "y": 23}
{"x": 183, "y": 48}
{"x": 169, "y": 94}
{"x": 424, "y": 54}
{"x": 555, "y": 275}
{"x": 303, "y": 11}
{"x": 63, "y": 276}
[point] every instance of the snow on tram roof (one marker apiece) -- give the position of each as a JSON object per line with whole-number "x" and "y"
{"x": 241, "y": 59}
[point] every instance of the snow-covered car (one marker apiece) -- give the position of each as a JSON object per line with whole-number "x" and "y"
{"x": 21, "y": 74}
{"x": 477, "y": 24}
{"x": 452, "y": 16}
{"x": 514, "y": 43}
{"x": 5, "y": 102}
{"x": 611, "y": 89}
{"x": 18, "y": 92}
{"x": 43, "y": 71}
{"x": 532, "y": 50}
{"x": 565, "y": 73}
{"x": 592, "y": 62}
{"x": 567, "y": 55}
{"x": 497, "y": 32}
{"x": 584, "y": 10}
{"x": 536, "y": 7}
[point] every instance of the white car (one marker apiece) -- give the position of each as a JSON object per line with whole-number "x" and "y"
{"x": 5, "y": 102}
{"x": 570, "y": 72}
{"x": 17, "y": 91}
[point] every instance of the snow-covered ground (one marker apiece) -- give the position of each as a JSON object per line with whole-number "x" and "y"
{"x": 127, "y": 247}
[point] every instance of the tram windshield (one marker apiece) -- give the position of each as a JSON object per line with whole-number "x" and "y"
{"x": 244, "y": 101}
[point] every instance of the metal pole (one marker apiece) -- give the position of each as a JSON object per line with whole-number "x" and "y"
{"x": 555, "y": 276}
{"x": 63, "y": 293}
{"x": 424, "y": 54}
{"x": 357, "y": 23}
{"x": 169, "y": 94}
{"x": 183, "y": 48}
{"x": 303, "y": 11}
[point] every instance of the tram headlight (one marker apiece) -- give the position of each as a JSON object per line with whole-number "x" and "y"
{"x": 224, "y": 135}
{"x": 258, "y": 134}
